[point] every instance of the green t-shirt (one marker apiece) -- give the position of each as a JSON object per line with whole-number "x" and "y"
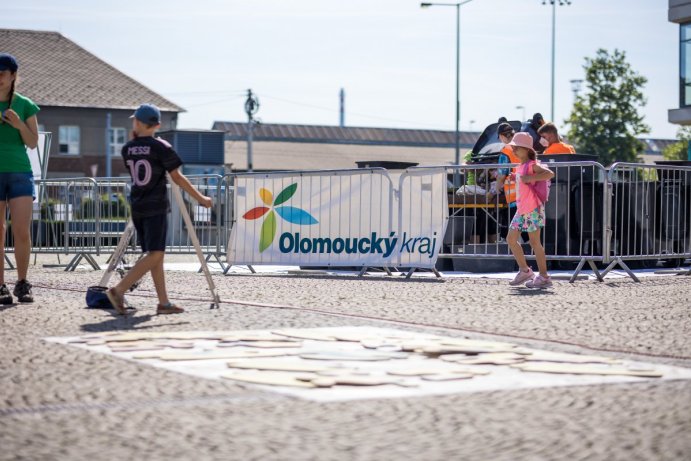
{"x": 13, "y": 156}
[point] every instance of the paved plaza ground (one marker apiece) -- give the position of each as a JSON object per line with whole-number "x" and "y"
{"x": 64, "y": 403}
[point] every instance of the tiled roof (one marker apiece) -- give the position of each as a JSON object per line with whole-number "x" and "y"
{"x": 346, "y": 135}
{"x": 656, "y": 146}
{"x": 55, "y": 71}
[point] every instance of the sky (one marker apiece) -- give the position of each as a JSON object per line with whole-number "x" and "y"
{"x": 394, "y": 60}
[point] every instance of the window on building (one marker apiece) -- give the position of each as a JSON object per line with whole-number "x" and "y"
{"x": 118, "y": 138}
{"x": 685, "y": 65}
{"x": 68, "y": 140}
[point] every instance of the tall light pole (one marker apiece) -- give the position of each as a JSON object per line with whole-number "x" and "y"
{"x": 554, "y": 27}
{"x": 458, "y": 70}
{"x": 522, "y": 109}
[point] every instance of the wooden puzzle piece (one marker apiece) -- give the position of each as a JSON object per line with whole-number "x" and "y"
{"x": 547, "y": 356}
{"x": 254, "y": 336}
{"x": 364, "y": 356}
{"x": 171, "y": 356}
{"x": 462, "y": 342}
{"x": 435, "y": 369}
{"x": 359, "y": 380}
{"x": 305, "y": 333}
{"x": 277, "y": 365}
{"x": 586, "y": 369}
{"x": 264, "y": 344}
{"x": 448, "y": 376}
{"x": 440, "y": 349}
{"x": 380, "y": 344}
{"x": 270, "y": 378}
{"x": 494, "y": 358}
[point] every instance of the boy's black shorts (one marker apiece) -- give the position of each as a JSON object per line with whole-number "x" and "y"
{"x": 151, "y": 232}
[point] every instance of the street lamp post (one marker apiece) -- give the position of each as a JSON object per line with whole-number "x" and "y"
{"x": 522, "y": 109}
{"x": 554, "y": 26}
{"x": 458, "y": 70}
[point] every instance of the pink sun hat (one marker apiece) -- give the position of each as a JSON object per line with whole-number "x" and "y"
{"x": 522, "y": 139}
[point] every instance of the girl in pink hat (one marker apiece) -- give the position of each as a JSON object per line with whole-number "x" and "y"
{"x": 530, "y": 213}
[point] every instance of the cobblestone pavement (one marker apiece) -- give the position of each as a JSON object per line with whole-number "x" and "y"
{"x": 60, "y": 402}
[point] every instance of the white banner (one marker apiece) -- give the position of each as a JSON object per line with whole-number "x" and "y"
{"x": 324, "y": 218}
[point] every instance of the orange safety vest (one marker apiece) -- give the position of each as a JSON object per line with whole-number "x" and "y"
{"x": 559, "y": 148}
{"x": 510, "y": 181}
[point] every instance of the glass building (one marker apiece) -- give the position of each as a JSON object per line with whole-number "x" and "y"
{"x": 680, "y": 13}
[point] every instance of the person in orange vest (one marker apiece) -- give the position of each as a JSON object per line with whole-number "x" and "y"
{"x": 549, "y": 133}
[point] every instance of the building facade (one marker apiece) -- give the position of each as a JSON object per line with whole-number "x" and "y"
{"x": 80, "y": 96}
{"x": 680, "y": 13}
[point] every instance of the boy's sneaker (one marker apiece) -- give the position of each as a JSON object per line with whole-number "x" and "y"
{"x": 169, "y": 309}
{"x": 522, "y": 277}
{"x": 539, "y": 282}
{"x": 22, "y": 290}
{"x": 117, "y": 300}
{"x": 5, "y": 296}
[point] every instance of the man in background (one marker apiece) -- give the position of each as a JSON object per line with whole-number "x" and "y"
{"x": 549, "y": 133}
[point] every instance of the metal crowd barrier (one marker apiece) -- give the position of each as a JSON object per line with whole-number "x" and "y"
{"x": 632, "y": 215}
{"x": 479, "y": 217}
{"x": 649, "y": 215}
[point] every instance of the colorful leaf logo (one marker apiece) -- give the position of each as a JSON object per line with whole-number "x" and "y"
{"x": 288, "y": 213}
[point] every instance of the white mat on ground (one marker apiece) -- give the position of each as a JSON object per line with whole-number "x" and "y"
{"x": 354, "y": 342}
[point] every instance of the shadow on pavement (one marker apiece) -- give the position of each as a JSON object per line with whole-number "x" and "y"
{"x": 525, "y": 291}
{"x": 129, "y": 322}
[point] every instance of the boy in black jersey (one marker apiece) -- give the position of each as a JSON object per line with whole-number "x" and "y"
{"x": 148, "y": 159}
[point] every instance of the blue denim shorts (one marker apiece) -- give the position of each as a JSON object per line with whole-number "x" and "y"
{"x": 13, "y": 185}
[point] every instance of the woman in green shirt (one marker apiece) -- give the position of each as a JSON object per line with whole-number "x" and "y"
{"x": 18, "y": 130}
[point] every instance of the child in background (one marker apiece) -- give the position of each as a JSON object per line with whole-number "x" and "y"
{"x": 148, "y": 159}
{"x": 530, "y": 214}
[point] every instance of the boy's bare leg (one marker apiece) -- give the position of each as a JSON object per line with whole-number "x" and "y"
{"x": 144, "y": 265}
{"x": 539, "y": 251}
{"x": 158, "y": 275}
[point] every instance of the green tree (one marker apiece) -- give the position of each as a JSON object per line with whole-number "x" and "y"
{"x": 605, "y": 120}
{"x": 678, "y": 150}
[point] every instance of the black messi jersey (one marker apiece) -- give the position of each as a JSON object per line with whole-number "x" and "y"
{"x": 148, "y": 159}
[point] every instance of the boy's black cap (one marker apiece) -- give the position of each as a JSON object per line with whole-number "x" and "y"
{"x": 147, "y": 113}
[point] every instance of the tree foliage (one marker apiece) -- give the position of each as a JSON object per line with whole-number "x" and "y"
{"x": 678, "y": 150}
{"x": 605, "y": 120}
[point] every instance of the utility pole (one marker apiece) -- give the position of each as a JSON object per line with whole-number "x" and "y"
{"x": 341, "y": 97}
{"x": 251, "y": 108}
{"x": 108, "y": 145}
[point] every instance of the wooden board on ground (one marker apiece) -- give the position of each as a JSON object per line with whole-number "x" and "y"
{"x": 277, "y": 365}
{"x": 494, "y": 358}
{"x": 586, "y": 369}
{"x": 547, "y": 356}
{"x": 304, "y": 333}
{"x": 268, "y": 378}
{"x": 364, "y": 356}
{"x": 173, "y": 356}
